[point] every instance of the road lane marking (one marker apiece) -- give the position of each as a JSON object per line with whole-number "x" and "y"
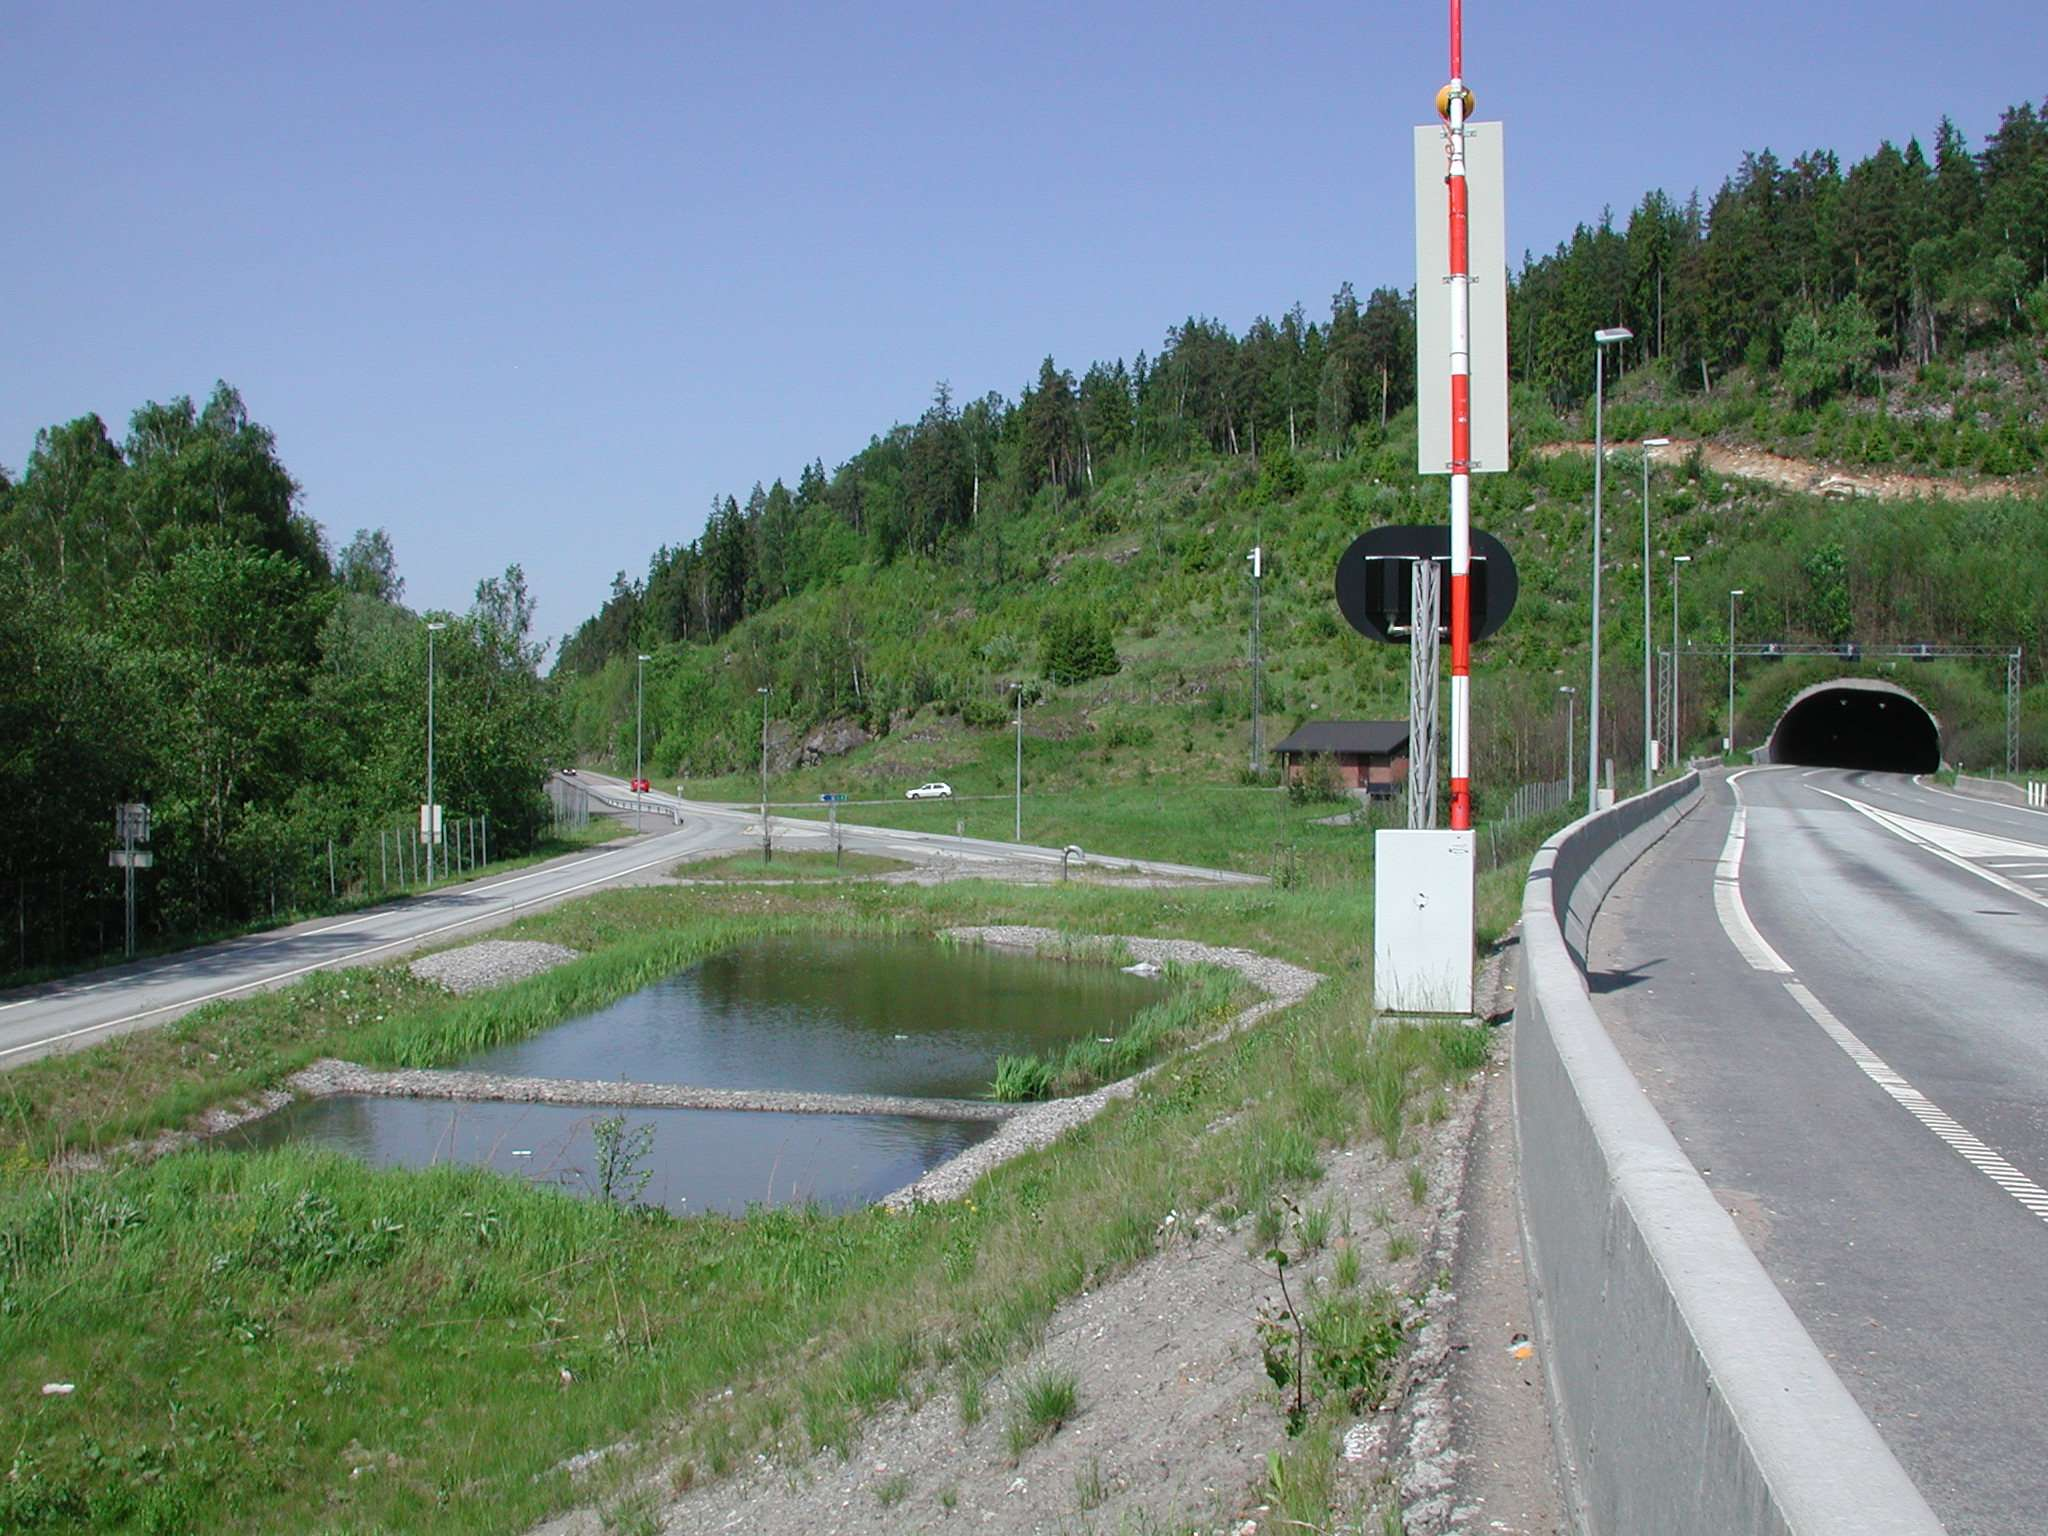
{"x": 254, "y": 942}
{"x": 1921, "y": 1108}
{"x": 1735, "y": 919}
{"x": 321, "y": 965}
{"x": 1904, "y": 827}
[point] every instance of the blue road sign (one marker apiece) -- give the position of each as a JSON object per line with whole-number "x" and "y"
{"x": 830, "y": 799}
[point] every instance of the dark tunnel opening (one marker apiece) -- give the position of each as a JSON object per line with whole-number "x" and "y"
{"x": 1849, "y": 727}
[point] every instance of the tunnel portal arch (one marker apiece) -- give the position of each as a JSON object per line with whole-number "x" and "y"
{"x": 1857, "y": 722}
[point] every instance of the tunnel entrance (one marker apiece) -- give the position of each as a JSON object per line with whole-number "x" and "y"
{"x": 1858, "y": 723}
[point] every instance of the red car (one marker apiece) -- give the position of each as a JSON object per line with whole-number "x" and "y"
{"x": 641, "y": 786}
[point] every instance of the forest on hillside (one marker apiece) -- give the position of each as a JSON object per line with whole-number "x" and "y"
{"x": 1828, "y": 283}
{"x": 174, "y": 630}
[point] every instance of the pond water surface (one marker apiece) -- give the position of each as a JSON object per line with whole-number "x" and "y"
{"x": 700, "y": 1159}
{"x": 836, "y": 1015}
{"x": 904, "y": 1017}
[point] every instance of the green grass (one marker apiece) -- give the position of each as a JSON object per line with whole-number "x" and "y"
{"x": 248, "y": 1329}
{"x": 790, "y": 866}
{"x": 1201, "y": 998}
{"x": 1044, "y": 1401}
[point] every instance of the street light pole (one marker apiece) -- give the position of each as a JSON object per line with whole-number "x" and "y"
{"x": 428, "y": 830}
{"x": 767, "y": 849}
{"x": 1571, "y": 706}
{"x": 1017, "y": 836}
{"x": 1649, "y": 731}
{"x": 1734, "y": 594}
{"x": 1257, "y": 558}
{"x": 1677, "y": 727}
{"x": 1602, "y": 340}
{"x": 639, "y": 719}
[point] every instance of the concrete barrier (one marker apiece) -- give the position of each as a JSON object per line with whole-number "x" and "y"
{"x": 1687, "y": 1399}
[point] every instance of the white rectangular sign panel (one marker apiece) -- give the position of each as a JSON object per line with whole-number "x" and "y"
{"x": 430, "y": 824}
{"x": 1487, "y": 260}
{"x": 1422, "y": 921}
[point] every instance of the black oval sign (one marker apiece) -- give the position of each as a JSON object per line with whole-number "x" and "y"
{"x": 1373, "y": 580}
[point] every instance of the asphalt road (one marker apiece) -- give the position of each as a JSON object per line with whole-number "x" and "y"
{"x": 1843, "y": 1016}
{"x": 84, "y": 1010}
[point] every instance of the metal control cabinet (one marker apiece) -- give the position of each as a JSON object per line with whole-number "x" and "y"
{"x": 1422, "y": 922}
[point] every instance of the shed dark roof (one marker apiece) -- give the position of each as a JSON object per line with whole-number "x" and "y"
{"x": 1377, "y": 738}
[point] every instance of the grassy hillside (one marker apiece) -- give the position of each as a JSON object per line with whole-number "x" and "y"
{"x": 910, "y": 664}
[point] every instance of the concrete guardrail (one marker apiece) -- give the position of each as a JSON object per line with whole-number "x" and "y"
{"x": 1687, "y": 1399}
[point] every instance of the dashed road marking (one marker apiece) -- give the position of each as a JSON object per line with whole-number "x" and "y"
{"x": 1922, "y": 1108}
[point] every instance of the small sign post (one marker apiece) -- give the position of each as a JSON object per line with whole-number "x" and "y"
{"x": 131, "y": 825}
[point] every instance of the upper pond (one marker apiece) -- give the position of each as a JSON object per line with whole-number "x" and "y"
{"x": 901, "y": 1016}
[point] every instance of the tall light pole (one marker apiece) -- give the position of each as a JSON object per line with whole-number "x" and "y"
{"x": 1017, "y": 836}
{"x": 1602, "y": 340}
{"x": 428, "y": 829}
{"x": 1571, "y": 706}
{"x": 1257, "y": 559}
{"x": 1734, "y": 594}
{"x": 1677, "y": 729}
{"x": 767, "y": 852}
{"x": 639, "y": 717}
{"x": 1649, "y": 732}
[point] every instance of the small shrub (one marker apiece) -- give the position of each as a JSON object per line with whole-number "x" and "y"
{"x": 1045, "y": 1400}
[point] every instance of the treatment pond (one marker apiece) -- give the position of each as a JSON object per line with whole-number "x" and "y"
{"x": 822, "y": 1015}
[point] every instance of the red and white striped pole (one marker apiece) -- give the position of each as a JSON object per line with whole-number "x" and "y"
{"x": 1454, "y": 104}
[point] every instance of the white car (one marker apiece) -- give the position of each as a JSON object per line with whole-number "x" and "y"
{"x": 932, "y": 791}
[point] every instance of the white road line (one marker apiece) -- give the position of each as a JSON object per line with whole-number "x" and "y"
{"x": 1923, "y": 1109}
{"x": 321, "y": 965}
{"x": 1735, "y": 919}
{"x": 1903, "y": 827}
{"x": 254, "y": 942}
{"x": 1979, "y": 801}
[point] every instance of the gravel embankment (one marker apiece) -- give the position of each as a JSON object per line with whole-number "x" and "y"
{"x": 326, "y": 1078}
{"x": 491, "y": 963}
{"x": 1042, "y": 1124}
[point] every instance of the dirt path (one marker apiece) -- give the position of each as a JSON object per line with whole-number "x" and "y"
{"x": 1816, "y": 479}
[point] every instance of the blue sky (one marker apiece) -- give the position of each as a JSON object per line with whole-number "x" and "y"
{"x": 534, "y": 282}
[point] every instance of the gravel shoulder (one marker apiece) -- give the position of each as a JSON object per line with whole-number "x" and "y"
{"x": 1176, "y": 1421}
{"x": 1175, "y": 1415}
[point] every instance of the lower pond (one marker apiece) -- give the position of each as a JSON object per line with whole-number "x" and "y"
{"x": 699, "y": 1159}
{"x": 902, "y": 1017}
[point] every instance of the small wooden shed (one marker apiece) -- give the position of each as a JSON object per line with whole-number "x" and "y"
{"x": 1371, "y": 755}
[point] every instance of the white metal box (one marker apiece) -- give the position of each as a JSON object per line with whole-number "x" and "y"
{"x": 1422, "y": 922}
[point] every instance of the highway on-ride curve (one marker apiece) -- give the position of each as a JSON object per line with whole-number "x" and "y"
{"x": 81, "y": 1011}
{"x": 1834, "y": 987}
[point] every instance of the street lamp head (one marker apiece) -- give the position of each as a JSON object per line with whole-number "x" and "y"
{"x": 1566, "y": 688}
{"x": 435, "y": 628}
{"x": 762, "y": 690}
{"x": 1681, "y": 559}
{"x": 1735, "y": 591}
{"x": 1656, "y": 442}
{"x": 1609, "y": 335}
{"x": 647, "y": 658}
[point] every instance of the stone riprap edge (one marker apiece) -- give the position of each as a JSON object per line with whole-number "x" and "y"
{"x": 1041, "y": 1124}
{"x": 327, "y": 1078}
{"x": 487, "y": 963}
{"x": 1686, "y": 1397}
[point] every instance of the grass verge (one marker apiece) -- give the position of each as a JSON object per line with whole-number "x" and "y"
{"x": 253, "y": 1336}
{"x": 790, "y": 866}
